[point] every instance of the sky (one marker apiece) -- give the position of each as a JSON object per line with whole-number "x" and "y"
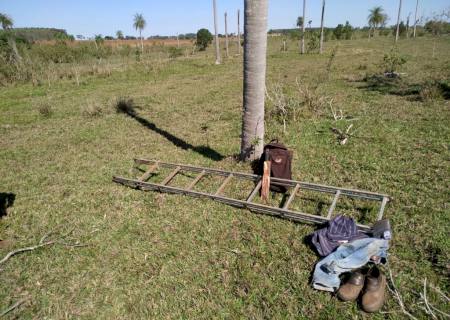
{"x": 169, "y": 17}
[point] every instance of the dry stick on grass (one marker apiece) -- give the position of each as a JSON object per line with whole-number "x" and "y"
{"x": 429, "y": 307}
{"x": 11, "y": 308}
{"x": 424, "y": 297}
{"x": 40, "y": 245}
{"x": 397, "y": 295}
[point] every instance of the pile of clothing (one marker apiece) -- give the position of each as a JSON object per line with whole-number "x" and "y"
{"x": 349, "y": 252}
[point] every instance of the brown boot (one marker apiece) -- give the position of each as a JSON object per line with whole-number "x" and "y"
{"x": 373, "y": 297}
{"x": 351, "y": 289}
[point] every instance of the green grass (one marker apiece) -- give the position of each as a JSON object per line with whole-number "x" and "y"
{"x": 153, "y": 255}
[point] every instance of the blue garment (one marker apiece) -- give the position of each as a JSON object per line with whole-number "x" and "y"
{"x": 347, "y": 257}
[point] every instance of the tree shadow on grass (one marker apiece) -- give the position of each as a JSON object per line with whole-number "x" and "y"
{"x": 126, "y": 106}
{"x": 412, "y": 91}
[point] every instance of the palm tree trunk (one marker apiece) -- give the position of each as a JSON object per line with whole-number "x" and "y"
{"x": 303, "y": 27}
{"x": 415, "y": 19}
{"x": 398, "y": 21}
{"x": 255, "y": 49}
{"x": 142, "y": 42}
{"x": 321, "y": 27}
{"x": 239, "y": 31}
{"x": 226, "y": 35}
{"x": 216, "y": 34}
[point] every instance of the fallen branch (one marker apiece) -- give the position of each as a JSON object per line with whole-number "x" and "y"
{"x": 425, "y": 299}
{"x": 11, "y": 308}
{"x": 397, "y": 295}
{"x": 42, "y": 243}
{"x": 13, "y": 253}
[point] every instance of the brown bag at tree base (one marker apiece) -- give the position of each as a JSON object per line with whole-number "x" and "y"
{"x": 280, "y": 163}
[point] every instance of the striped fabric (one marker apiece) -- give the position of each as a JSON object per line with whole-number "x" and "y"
{"x": 340, "y": 230}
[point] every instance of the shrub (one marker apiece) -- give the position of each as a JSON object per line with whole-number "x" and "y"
{"x": 124, "y": 105}
{"x": 175, "y": 52}
{"x": 92, "y": 109}
{"x": 204, "y": 38}
{"x": 393, "y": 61}
{"x": 434, "y": 90}
{"x": 313, "y": 42}
{"x": 45, "y": 110}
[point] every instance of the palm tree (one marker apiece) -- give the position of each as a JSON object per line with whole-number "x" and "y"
{"x": 226, "y": 35}
{"x": 239, "y": 31}
{"x": 398, "y": 20}
{"x": 139, "y": 24}
{"x": 303, "y": 26}
{"x": 119, "y": 34}
{"x": 376, "y": 18}
{"x": 321, "y": 27}
{"x": 255, "y": 49}
{"x": 415, "y": 19}
{"x": 7, "y": 22}
{"x": 216, "y": 34}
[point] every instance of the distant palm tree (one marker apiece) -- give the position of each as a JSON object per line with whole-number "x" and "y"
{"x": 303, "y": 27}
{"x": 397, "y": 33}
{"x": 139, "y": 24}
{"x": 7, "y": 22}
{"x": 321, "y": 27}
{"x": 376, "y": 18}
{"x": 216, "y": 34}
{"x": 119, "y": 34}
{"x": 415, "y": 19}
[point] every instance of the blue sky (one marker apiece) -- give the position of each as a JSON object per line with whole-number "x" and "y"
{"x": 170, "y": 17}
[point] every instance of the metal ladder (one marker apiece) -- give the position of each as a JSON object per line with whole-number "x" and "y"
{"x": 284, "y": 212}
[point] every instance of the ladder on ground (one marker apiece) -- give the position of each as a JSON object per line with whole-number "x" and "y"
{"x": 152, "y": 167}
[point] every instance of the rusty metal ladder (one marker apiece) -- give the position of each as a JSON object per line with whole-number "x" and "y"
{"x": 284, "y": 212}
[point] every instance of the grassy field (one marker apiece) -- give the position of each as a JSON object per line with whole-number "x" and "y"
{"x": 151, "y": 255}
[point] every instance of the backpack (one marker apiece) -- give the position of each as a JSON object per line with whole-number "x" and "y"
{"x": 280, "y": 159}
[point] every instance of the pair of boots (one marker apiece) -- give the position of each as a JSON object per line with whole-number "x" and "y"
{"x": 374, "y": 283}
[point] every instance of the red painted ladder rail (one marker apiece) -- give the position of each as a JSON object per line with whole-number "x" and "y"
{"x": 284, "y": 212}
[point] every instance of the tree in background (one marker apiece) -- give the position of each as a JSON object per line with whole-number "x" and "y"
{"x": 139, "y": 24}
{"x": 226, "y": 35}
{"x": 299, "y": 22}
{"x": 239, "y": 31}
{"x": 415, "y": 19}
{"x": 119, "y": 35}
{"x": 255, "y": 50}
{"x": 342, "y": 32}
{"x": 204, "y": 38}
{"x": 376, "y": 19}
{"x": 216, "y": 35}
{"x": 401, "y": 29}
{"x": 7, "y": 22}
{"x": 397, "y": 34}
{"x": 303, "y": 27}
{"x": 321, "y": 27}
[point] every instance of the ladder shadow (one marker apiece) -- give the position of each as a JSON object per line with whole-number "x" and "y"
{"x": 203, "y": 150}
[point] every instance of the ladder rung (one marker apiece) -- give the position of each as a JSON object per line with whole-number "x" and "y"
{"x": 149, "y": 172}
{"x": 170, "y": 176}
{"x": 333, "y": 204}
{"x": 291, "y": 197}
{"x": 255, "y": 191}
{"x": 197, "y": 179}
{"x": 224, "y": 183}
{"x": 383, "y": 204}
